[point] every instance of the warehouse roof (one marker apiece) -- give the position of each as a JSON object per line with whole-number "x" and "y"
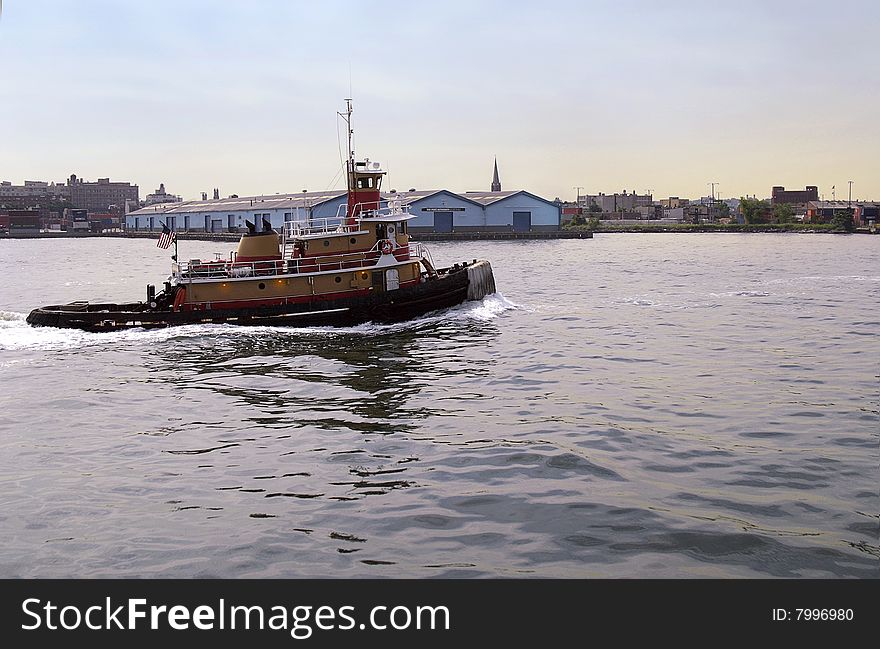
{"x": 305, "y": 200}
{"x": 487, "y": 198}
{"x": 247, "y": 203}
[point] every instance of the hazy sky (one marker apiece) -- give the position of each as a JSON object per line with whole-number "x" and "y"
{"x": 615, "y": 95}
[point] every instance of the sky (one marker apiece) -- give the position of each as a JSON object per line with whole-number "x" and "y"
{"x": 603, "y": 95}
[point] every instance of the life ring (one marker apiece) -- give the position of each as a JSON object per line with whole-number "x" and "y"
{"x": 387, "y": 247}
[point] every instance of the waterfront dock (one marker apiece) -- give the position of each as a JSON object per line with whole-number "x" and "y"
{"x": 235, "y": 236}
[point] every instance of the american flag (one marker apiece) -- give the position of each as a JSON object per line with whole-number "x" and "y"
{"x": 166, "y": 238}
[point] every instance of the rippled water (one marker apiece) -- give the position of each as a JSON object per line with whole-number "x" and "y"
{"x": 628, "y": 406}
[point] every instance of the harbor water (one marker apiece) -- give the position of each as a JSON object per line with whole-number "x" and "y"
{"x": 635, "y": 405}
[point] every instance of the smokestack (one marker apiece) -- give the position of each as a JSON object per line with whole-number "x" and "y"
{"x": 204, "y": 196}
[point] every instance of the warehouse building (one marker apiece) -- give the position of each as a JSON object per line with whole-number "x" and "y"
{"x": 230, "y": 214}
{"x": 512, "y": 211}
{"x": 438, "y": 210}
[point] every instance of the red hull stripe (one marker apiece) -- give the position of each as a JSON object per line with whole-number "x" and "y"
{"x": 324, "y": 297}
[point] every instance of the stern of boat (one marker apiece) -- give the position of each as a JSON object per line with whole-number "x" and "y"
{"x": 481, "y": 280}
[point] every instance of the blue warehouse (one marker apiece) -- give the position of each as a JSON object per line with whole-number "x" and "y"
{"x": 436, "y": 210}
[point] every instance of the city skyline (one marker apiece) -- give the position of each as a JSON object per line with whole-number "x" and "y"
{"x": 607, "y": 97}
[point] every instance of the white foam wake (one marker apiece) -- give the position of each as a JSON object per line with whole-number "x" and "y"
{"x": 16, "y": 334}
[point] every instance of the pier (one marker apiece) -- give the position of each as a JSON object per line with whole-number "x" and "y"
{"x": 235, "y": 236}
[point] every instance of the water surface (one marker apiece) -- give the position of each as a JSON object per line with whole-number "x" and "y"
{"x": 663, "y": 405}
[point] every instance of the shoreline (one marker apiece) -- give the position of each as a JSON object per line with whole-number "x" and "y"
{"x": 725, "y": 229}
{"x": 235, "y": 236}
{"x": 476, "y": 236}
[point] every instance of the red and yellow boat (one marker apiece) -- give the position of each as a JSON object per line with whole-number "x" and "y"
{"x": 359, "y": 266}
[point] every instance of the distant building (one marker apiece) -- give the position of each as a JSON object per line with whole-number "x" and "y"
{"x": 436, "y": 210}
{"x": 34, "y": 195}
{"x": 161, "y": 196}
{"x": 780, "y": 195}
{"x": 674, "y": 213}
{"x": 674, "y": 202}
{"x": 440, "y": 210}
{"x": 649, "y": 212}
{"x": 496, "y": 181}
{"x": 230, "y": 214}
{"x": 20, "y": 222}
{"x": 104, "y": 222}
{"x": 700, "y": 213}
{"x": 34, "y": 189}
{"x": 101, "y": 196}
{"x": 78, "y": 220}
{"x": 623, "y": 203}
{"x": 864, "y": 213}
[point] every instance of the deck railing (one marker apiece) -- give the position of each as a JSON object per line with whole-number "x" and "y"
{"x": 322, "y": 225}
{"x": 298, "y": 227}
{"x": 216, "y": 269}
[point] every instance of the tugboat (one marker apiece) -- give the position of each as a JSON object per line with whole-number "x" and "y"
{"x": 359, "y": 266}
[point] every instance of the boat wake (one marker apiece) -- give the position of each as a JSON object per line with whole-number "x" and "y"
{"x": 11, "y": 316}
{"x": 16, "y": 334}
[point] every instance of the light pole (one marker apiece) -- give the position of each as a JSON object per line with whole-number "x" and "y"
{"x": 713, "y": 190}
{"x": 711, "y": 201}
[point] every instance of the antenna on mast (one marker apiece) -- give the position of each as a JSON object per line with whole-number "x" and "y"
{"x": 347, "y": 117}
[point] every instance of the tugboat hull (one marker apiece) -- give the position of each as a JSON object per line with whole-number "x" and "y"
{"x": 451, "y": 287}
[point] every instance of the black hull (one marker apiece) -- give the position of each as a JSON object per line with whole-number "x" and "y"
{"x": 451, "y": 288}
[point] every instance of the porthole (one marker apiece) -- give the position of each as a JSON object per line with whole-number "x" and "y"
{"x": 326, "y": 243}
{"x": 364, "y": 275}
{"x": 261, "y": 286}
{"x": 352, "y": 241}
{"x": 337, "y": 279}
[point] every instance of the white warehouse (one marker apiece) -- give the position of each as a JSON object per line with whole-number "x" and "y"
{"x": 438, "y": 210}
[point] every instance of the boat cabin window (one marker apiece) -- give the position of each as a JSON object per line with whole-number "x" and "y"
{"x": 402, "y": 227}
{"x": 381, "y": 232}
{"x": 365, "y": 183}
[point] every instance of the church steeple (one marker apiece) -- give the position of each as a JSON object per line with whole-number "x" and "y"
{"x": 496, "y": 183}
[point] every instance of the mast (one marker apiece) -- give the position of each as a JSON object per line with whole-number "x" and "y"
{"x": 350, "y": 162}
{"x": 364, "y": 178}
